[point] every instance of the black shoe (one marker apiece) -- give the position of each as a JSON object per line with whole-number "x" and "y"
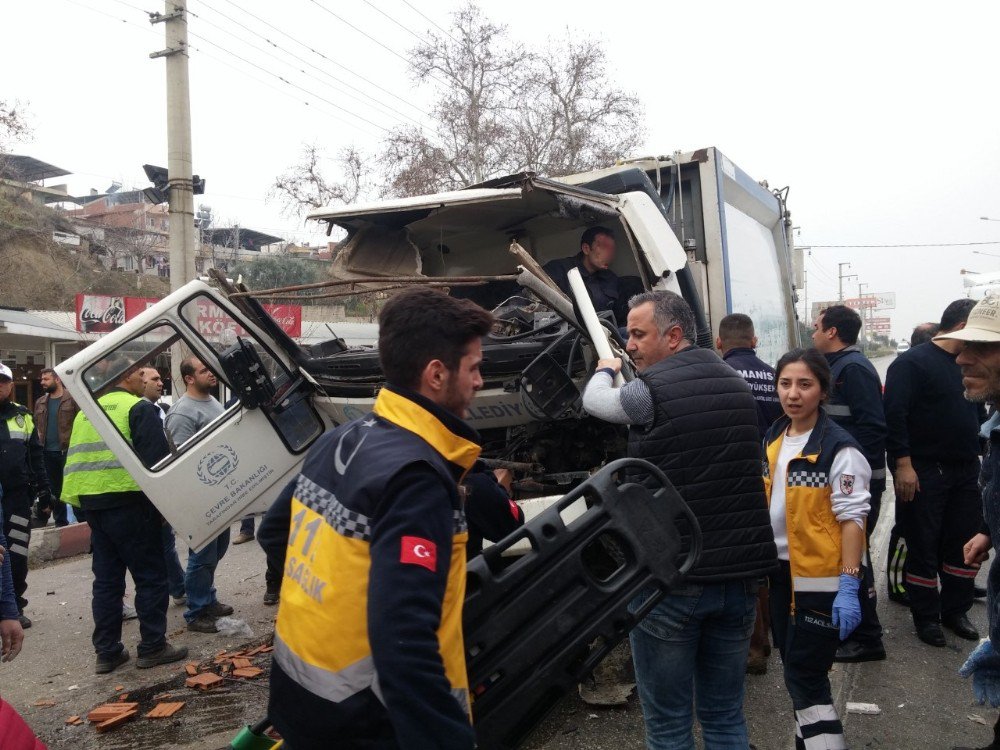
{"x": 979, "y": 592}
{"x": 960, "y": 626}
{"x": 272, "y": 595}
{"x": 218, "y": 609}
{"x": 203, "y": 624}
{"x": 900, "y": 597}
{"x": 111, "y": 663}
{"x": 25, "y": 622}
{"x": 930, "y": 633}
{"x": 165, "y": 655}
{"x": 851, "y": 652}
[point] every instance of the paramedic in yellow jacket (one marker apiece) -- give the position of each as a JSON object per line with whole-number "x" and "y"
{"x": 368, "y": 644}
{"x": 817, "y": 485}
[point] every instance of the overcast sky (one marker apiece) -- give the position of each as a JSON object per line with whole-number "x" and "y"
{"x": 882, "y": 117}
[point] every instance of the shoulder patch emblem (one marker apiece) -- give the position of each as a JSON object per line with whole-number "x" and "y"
{"x": 847, "y": 483}
{"x": 19, "y": 419}
{"x": 415, "y": 550}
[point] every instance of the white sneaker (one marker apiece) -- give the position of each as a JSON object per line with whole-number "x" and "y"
{"x": 128, "y": 612}
{"x": 179, "y": 600}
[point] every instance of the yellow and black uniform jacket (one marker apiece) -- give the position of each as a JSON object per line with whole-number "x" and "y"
{"x": 814, "y": 539}
{"x": 368, "y": 642}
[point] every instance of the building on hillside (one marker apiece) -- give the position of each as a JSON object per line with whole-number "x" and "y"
{"x": 25, "y": 176}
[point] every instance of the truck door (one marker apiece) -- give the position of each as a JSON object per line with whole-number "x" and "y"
{"x": 239, "y": 462}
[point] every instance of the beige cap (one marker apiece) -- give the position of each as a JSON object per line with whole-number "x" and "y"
{"x": 983, "y": 324}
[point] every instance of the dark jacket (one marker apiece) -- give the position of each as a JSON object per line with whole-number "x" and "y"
{"x": 489, "y": 509}
{"x": 704, "y": 438}
{"x": 989, "y": 484}
{"x": 926, "y": 412}
{"x": 855, "y": 403}
{"x": 22, "y": 465}
{"x": 607, "y": 291}
{"x": 67, "y": 413}
{"x": 760, "y": 377}
{"x": 8, "y": 600}
{"x": 379, "y": 592}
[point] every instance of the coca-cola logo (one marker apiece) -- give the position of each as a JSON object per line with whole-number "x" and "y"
{"x": 100, "y": 314}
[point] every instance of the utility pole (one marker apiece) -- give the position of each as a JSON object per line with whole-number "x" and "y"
{"x": 864, "y": 311}
{"x": 179, "y": 170}
{"x": 840, "y": 279}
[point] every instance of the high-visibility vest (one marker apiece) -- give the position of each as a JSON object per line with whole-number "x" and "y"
{"x": 20, "y": 426}
{"x": 91, "y": 467}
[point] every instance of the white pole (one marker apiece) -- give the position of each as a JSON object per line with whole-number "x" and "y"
{"x": 598, "y": 336}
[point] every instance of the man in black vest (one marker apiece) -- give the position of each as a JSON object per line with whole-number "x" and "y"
{"x": 933, "y": 445}
{"x": 694, "y": 417}
{"x": 855, "y": 403}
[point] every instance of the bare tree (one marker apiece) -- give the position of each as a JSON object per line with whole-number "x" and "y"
{"x": 499, "y": 109}
{"x": 14, "y": 126}
{"x": 303, "y": 186}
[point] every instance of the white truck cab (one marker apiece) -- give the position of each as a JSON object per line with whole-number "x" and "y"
{"x": 691, "y": 223}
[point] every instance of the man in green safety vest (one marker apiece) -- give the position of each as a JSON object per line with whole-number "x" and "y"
{"x": 23, "y": 477}
{"x": 124, "y": 525}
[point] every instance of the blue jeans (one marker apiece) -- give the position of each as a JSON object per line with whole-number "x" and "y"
{"x": 199, "y": 581}
{"x": 128, "y": 538}
{"x": 692, "y": 648}
{"x": 175, "y": 573}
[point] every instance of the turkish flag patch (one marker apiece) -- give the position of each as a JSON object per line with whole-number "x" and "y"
{"x": 415, "y": 550}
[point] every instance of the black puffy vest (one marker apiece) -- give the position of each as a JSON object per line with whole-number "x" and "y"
{"x": 704, "y": 437}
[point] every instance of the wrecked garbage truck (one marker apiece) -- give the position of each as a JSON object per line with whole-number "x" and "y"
{"x": 693, "y": 223}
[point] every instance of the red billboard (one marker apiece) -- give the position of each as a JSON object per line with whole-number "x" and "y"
{"x": 100, "y": 313}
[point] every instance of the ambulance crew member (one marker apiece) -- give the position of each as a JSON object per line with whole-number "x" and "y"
{"x": 368, "y": 642}
{"x": 817, "y": 485}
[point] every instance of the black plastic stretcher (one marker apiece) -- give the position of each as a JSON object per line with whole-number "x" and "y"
{"x": 535, "y": 629}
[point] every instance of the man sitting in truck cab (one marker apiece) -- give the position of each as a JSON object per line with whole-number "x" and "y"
{"x": 597, "y": 253}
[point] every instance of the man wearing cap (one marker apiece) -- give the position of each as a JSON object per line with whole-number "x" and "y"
{"x": 855, "y": 403}
{"x": 933, "y": 447}
{"x": 979, "y": 359}
{"x": 22, "y": 476}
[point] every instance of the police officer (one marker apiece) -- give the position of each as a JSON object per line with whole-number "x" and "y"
{"x": 855, "y": 403}
{"x": 125, "y": 528}
{"x": 368, "y": 644}
{"x": 22, "y": 476}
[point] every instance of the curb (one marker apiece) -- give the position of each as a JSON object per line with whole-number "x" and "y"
{"x": 58, "y": 542}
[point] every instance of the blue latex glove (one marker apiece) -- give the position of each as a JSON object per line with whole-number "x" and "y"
{"x": 983, "y": 665}
{"x": 847, "y": 606}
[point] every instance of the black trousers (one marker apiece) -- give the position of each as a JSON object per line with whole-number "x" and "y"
{"x": 808, "y": 641}
{"x": 17, "y": 529}
{"x": 941, "y": 518}
{"x": 55, "y": 462}
{"x": 128, "y": 537}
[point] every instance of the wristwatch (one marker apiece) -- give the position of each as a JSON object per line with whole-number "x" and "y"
{"x": 853, "y": 571}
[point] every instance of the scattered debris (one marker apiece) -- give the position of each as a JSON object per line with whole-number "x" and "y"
{"x": 241, "y": 662}
{"x": 978, "y": 719}
{"x": 123, "y": 697}
{"x": 44, "y": 703}
{"x": 165, "y": 710}
{"x": 73, "y": 687}
{"x": 191, "y": 668}
{"x": 119, "y": 688}
{"x": 110, "y": 711}
{"x": 869, "y": 709}
{"x": 117, "y": 720}
{"x": 74, "y": 721}
{"x": 204, "y": 681}
{"x": 248, "y": 672}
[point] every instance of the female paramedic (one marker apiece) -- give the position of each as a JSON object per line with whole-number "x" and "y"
{"x": 817, "y": 486}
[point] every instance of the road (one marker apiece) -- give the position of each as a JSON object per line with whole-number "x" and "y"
{"x": 923, "y": 701}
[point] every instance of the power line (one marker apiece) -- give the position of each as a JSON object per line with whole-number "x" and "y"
{"x": 378, "y": 103}
{"x": 113, "y": 17}
{"x": 293, "y": 85}
{"x": 925, "y": 244}
{"x": 369, "y": 36}
{"x": 431, "y": 21}
{"x": 325, "y": 57}
{"x": 407, "y": 29}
